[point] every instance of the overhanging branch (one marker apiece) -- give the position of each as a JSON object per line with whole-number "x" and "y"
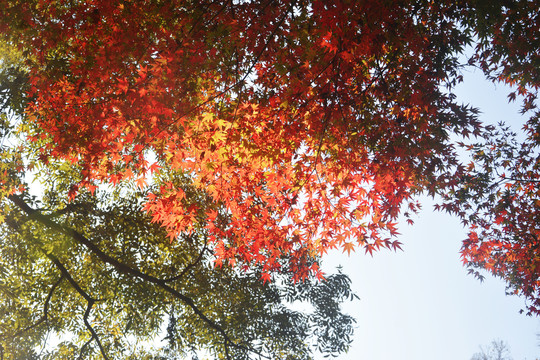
{"x": 125, "y": 269}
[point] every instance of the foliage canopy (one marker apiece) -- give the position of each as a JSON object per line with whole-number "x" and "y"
{"x": 256, "y": 135}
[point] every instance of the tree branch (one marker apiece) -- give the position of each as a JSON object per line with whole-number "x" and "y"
{"x": 90, "y": 303}
{"x": 520, "y": 180}
{"x": 190, "y": 265}
{"x": 45, "y": 315}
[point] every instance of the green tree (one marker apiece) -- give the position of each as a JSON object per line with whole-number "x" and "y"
{"x": 100, "y": 271}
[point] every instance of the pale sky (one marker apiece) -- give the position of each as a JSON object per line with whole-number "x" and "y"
{"x": 420, "y": 304}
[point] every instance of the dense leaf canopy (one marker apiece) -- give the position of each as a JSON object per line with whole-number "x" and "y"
{"x": 303, "y": 126}
{"x": 256, "y": 136}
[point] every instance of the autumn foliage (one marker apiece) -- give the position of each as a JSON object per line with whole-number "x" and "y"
{"x": 279, "y": 128}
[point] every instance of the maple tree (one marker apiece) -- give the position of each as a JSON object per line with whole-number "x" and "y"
{"x": 283, "y": 129}
{"x": 307, "y": 127}
{"x": 499, "y": 191}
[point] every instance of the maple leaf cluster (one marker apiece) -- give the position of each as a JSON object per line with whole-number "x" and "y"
{"x": 502, "y": 190}
{"x": 498, "y": 196}
{"x": 280, "y": 128}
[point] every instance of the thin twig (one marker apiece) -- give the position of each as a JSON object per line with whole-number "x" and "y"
{"x": 190, "y": 265}
{"x": 45, "y": 315}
